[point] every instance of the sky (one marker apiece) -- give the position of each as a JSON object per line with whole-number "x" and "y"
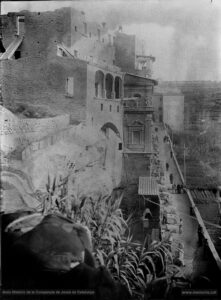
{"x": 183, "y": 35}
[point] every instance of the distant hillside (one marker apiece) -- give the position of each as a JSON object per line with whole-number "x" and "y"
{"x": 202, "y": 101}
{"x": 202, "y": 131}
{"x": 202, "y": 158}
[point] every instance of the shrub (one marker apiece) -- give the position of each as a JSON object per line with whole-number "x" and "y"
{"x": 132, "y": 265}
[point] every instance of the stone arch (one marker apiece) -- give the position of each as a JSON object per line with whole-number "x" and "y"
{"x": 109, "y": 85}
{"x": 99, "y": 84}
{"x": 118, "y": 87}
{"x": 111, "y": 126}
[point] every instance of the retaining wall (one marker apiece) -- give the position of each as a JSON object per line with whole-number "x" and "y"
{"x": 34, "y": 126}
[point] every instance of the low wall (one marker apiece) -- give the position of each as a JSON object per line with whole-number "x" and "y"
{"x": 17, "y": 133}
{"x": 33, "y": 126}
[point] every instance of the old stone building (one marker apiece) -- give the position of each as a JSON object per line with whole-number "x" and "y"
{"x": 62, "y": 63}
{"x": 138, "y": 112}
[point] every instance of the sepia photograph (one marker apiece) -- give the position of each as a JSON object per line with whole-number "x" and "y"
{"x": 110, "y": 144}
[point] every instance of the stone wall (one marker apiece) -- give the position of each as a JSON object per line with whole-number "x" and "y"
{"x": 36, "y": 127}
{"x": 42, "y": 82}
{"x": 55, "y": 25}
{"x": 66, "y": 26}
{"x": 136, "y": 165}
{"x": 17, "y": 133}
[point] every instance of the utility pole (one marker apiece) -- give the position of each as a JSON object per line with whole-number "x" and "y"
{"x": 172, "y": 135}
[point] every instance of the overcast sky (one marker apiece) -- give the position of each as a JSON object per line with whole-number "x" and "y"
{"x": 183, "y": 35}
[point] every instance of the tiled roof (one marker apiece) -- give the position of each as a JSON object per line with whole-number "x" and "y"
{"x": 148, "y": 186}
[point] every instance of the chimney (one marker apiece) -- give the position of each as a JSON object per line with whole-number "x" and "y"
{"x": 20, "y": 25}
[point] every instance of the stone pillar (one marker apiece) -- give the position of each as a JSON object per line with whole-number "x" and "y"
{"x": 113, "y": 89}
{"x": 103, "y": 88}
{"x": 148, "y": 134}
{"x": 104, "y": 91}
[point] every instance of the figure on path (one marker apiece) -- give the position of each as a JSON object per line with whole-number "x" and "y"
{"x": 181, "y": 226}
{"x": 171, "y": 178}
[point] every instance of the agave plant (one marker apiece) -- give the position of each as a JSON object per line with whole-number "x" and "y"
{"x": 104, "y": 218}
{"x": 133, "y": 265}
{"x": 55, "y": 198}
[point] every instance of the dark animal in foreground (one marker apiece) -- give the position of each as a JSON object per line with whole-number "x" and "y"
{"x": 56, "y": 254}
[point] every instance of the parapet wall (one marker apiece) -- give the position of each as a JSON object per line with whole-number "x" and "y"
{"x": 17, "y": 133}
{"x": 35, "y": 127}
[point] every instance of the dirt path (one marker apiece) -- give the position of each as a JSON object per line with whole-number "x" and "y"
{"x": 180, "y": 202}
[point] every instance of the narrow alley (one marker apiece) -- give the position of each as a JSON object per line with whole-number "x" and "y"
{"x": 186, "y": 230}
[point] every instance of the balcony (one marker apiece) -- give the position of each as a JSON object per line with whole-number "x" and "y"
{"x": 137, "y": 105}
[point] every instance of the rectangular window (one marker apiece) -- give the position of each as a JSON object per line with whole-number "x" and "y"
{"x": 118, "y": 109}
{"x": 120, "y": 146}
{"x": 70, "y": 87}
{"x": 136, "y": 137}
{"x": 102, "y": 106}
{"x": 75, "y": 28}
{"x": 110, "y": 107}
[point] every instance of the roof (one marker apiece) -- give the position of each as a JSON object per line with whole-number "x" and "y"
{"x": 148, "y": 186}
{"x": 142, "y": 77}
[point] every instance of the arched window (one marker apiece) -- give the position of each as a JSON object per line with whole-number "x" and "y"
{"x": 109, "y": 86}
{"x": 118, "y": 87}
{"x": 99, "y": 84}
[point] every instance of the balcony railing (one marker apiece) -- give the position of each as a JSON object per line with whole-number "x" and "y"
{"x": 137, "y": 104}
